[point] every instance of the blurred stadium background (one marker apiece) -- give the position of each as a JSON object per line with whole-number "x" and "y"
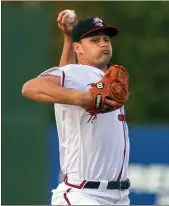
{"x": 32, "y": 43}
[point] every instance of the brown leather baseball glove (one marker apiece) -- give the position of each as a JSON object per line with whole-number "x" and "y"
{"x": 114, "y": 86}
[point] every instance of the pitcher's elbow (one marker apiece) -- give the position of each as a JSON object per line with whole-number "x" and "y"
{"x": 27, "y": 90}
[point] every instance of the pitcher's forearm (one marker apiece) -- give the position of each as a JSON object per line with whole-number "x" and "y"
{"x": 58, "y": 95}
{"x": 68, "y": 54}
{"x": 48, "y": 92}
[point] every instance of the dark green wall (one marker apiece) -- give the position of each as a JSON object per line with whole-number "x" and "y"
{"x": 26, "y": 34}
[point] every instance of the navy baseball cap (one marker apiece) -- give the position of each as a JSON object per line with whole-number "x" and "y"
{"x": 87, "y": 27}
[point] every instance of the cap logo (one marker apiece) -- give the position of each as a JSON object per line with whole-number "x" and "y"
{"x": 97, "y": 21}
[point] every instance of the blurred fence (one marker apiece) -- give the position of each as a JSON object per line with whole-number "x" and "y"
{"x": 148, "y": 168}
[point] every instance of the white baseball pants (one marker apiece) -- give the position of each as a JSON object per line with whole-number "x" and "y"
{"x": 65, "y": 194}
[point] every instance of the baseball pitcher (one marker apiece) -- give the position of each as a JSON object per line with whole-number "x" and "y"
{"x": 88, "y": 100}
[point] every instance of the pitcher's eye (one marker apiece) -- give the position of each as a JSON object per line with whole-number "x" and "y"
{"x": 94, "y": 40}
{"x": 107, "y": 40}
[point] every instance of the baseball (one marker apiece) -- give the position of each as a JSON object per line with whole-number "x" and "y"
{"x": 71, "y": 16}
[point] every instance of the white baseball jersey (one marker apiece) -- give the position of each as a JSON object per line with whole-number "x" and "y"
{"x": 91, "y": 151}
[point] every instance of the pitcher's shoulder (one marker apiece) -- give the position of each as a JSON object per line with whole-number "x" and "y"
{"x": 70, "y": 67}
{"x": 74, "y": 67}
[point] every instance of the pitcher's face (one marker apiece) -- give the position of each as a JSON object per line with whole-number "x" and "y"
{"x": 95, "y": 50}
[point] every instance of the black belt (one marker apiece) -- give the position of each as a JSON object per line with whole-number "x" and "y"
{"x": 113, "y": 185}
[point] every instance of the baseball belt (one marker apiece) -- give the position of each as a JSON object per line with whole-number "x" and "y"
{"x": 112, "y": 185}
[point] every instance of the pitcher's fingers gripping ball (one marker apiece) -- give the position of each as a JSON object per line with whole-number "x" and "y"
{"x": 71, "y": 16}
{"x": 113, "y": 86}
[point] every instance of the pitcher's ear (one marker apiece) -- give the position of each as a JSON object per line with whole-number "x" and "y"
{"x": 77, "y": 47}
